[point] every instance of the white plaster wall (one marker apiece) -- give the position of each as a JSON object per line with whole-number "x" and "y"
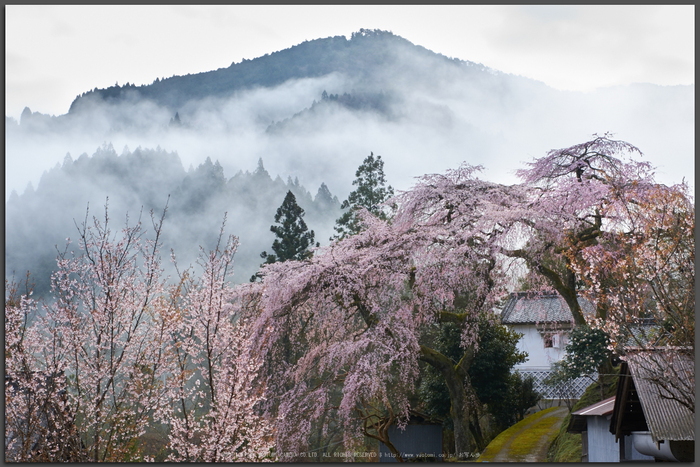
{"x": 532, "y": 342}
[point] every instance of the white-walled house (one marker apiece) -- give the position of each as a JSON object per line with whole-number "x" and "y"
{"x": 545, "y": 322}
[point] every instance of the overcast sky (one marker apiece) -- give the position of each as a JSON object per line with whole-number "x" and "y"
{"x": 54, "y": 53}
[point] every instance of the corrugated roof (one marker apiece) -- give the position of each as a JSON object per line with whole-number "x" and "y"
{"x": 599, "y": 408}
{"x": 659, "y": 375}
{"x": 532, "y": 308}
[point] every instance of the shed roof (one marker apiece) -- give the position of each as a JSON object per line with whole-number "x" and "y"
{"x": 604, "y": 407}
{"x": 534, "y": 308}
{"x": 661, "y": 376}
{"x": 577, "y": 422}
{"x": 421, "y": 418}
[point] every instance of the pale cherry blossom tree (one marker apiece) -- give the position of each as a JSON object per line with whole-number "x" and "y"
{"x": 106, "y": 320}
{"x": 39, "y": 424}
{"x": 646, "y": 270}
{"x": 574, "y": 194}
{"x": 357, "y": 314}
{"x": 646, "y": 273}
{"x": 95, "y": 351}
{"x": 117, "y": 350}
{"x": 214, "y": 389}
{"x": 625, "y": 242}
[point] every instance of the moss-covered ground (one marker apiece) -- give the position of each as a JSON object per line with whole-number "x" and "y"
{"x": 527, "y": 440}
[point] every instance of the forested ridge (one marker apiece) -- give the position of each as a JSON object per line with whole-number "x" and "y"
{"x": 365, "y": 55}
{"x": 40, "y": 220}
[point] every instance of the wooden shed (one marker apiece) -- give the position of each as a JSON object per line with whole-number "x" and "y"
{"x": 421, "y": 439}
{"x": 598, "y": 443}
{"x": 651, "y": 405}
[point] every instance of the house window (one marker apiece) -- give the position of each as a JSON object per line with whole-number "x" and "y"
{"x": 548, "y": 341}
{"x": 556, "y": 341}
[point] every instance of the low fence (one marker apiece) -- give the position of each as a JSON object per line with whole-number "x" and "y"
{"x": 573, "y": 389}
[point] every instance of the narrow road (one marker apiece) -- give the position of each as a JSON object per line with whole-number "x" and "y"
{"x": 528, "y": 440}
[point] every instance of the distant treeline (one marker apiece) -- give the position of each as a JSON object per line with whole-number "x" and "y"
{"x": 41, "y": 220}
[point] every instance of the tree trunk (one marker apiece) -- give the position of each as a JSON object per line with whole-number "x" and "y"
{"x": 564, "y": 284}
{"x": 393, "y": 450}
{"x": 460, "y": 415}
{"x": 478, "y": 436}
{"x": 458, "y": 397}
{"x": 381, "y": 430}
{"x": 605, "y": 368}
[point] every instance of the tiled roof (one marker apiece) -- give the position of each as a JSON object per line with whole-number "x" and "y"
{"x": 667, "y": 418}
{"x": 533, "y": 308}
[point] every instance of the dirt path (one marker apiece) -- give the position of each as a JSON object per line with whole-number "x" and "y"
{"x": 528, "y": 440}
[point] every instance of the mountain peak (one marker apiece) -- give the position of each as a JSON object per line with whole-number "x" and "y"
{"x": 367, "y": 51}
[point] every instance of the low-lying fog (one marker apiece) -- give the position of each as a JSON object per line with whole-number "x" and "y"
{"x": 428, "y": 122}
{"x": 435, "y": 122}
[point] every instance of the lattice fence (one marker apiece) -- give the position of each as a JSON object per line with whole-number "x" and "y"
{"x": 571, "y": 390}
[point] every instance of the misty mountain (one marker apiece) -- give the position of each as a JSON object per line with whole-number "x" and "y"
{"x": 424, "y": 112}
{"x": 369, "y": 64}
{"x": 135, "y": 183}
{"x": 312, "y": 113}
{"x": 371, "y": 58}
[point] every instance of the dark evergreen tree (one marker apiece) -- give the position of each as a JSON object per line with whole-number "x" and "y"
{"x": 370, "y": 194}
{"x": 260, "y": 172}
{"x": 293, "y": 236}
{"x": 324, "y": 198}
{"x": 175, "y": 121}
{"x": 506, "y": 394}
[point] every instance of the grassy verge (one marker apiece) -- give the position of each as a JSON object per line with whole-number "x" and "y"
{"x": 496, "y": 445}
